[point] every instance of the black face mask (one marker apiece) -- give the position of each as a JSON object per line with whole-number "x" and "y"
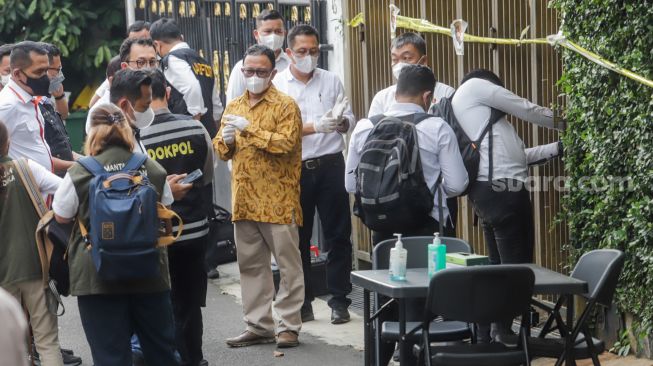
{"x": 39, "y": 86}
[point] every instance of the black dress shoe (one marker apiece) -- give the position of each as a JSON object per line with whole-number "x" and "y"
{"x": 307, "y": 313}
{"x": 70, "y": 359}
{"x": 213, "y": 274}
{"x": 340, "y": 315}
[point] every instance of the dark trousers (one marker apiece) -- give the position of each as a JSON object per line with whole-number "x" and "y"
{"x": 322, "y": 187}
{"x": 414, "y": 307}
{"x": 507, "y": 219}
{"x": 110, "y": 320}
{"x": 188, "y": 281}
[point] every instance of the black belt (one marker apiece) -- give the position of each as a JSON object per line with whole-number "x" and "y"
{"x": 314, "y": 163}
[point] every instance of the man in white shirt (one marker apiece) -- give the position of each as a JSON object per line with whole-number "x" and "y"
{"x": 138, "y": 29}
{"x": 407, "y": 49}
{"x": 194, "y": 91}
{"x": 19, "y": 105}
{"x": 270, "y": 31}
{"x": 439, "y": 156}
{"x": 326, "y": 117}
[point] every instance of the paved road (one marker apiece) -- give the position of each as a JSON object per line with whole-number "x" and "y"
{"x": 223, "y": 319}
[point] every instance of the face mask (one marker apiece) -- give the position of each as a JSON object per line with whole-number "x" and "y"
{"x": 272, "y": 41}
{"x": 306, "y": 64}
{"x": 55, "y": 83}
{"x": 256, "y": 85}
{"x": 143, "y": 119}
{"x": 396, "y": 69}
{"x": 4, "y": 79}
{"x": 39, "y": 86}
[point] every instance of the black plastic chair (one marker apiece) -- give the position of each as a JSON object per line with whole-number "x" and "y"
{"x": 480, "y": 295}
{"x": 439, "y": 331}
{"x": 601, "y": 270}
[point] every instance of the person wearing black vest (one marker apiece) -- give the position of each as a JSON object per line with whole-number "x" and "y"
{"x": 54, "y": 110}
{"x": 182, "y": 145}
{"x": 189, "y": 75}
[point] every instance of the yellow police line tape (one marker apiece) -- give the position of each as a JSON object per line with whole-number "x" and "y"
{"x": 422, "y": 25}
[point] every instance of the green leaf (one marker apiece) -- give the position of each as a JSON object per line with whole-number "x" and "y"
{"x": 32, "y": 7}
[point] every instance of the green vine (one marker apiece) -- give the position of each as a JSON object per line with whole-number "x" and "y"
{"x": 609, "y": 142}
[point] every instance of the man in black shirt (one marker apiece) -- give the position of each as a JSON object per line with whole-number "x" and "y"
{"x": 55, "y": 109}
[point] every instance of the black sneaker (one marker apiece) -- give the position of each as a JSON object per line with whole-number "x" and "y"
{"x": 307, "y": 313}
{"x": 340, "y": 315}
{"x": 213, "y": 274}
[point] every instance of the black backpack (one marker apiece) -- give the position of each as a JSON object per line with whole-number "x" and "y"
{"x": 391, "y": 194}
{"x": 469, "y": 149}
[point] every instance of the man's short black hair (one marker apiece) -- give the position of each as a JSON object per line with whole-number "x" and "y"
{"x": 484, "y": 74}
{"x": 258, "y": 50}
{"x": 53, "y": 51}
{"x": 165, "y": 30}
{"x": 267, "y": 14}
{"x": 414, "y": 80}
{"x": 127, "y": 84}
{"x": 302, "y": 30}
{"x": 113, "y": 66}
{"x": 138, "y": 26}
{"x": 159, "y": 84}
{"x": 410, "y": 38}
{"x": 20, "y": 54}
{"x": 127, "y": 44}
{"x": 5, "y": 50}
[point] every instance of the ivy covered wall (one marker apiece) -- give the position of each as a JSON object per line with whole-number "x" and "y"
{"x": 609, "y": 142}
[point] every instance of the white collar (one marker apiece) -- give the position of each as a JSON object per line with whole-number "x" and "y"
{"x": 179, "y": 46}
{"x": 24, "y": 96}
{"x": 405, "y": 108}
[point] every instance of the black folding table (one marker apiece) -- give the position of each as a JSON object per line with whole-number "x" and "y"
{"x": 547, "y": 282}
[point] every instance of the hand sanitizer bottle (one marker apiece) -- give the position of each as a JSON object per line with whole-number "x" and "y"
{"x": 441, "y": 256}
{"x": 398, "y": 261}
{"x": 432, "y": 254}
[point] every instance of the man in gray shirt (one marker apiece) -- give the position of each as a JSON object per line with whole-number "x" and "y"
{"x": 499, "y": 195}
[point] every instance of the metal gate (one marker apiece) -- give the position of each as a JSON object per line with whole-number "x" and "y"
{"x": 529, "y": 71}
{"x": 221, "y": 30}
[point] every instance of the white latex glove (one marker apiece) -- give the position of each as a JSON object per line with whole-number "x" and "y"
{"x": 229, "y": 134}
{"x": 326, "y": 124}
{"x": 342, "y": 104}
{"x": 237, "y": 121}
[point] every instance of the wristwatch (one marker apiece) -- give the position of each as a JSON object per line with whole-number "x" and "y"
{"x": 60, "y": 97}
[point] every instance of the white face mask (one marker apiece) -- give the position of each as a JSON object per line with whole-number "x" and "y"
{"x": 305, "y": 64}
{"x": 4, "y": 79}
{"x": 396, "y": 69}
{"x": 256, "y": 85}
{"x": 143, "y": 119}
{"x": 272, "y": 41}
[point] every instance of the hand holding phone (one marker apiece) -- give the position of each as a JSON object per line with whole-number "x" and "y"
{"x": 192, "y": 177}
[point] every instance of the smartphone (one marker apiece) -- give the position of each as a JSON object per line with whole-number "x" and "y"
{"x": 192, "y": 177}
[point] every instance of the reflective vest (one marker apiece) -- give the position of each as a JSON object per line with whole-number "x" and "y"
{"x": 203, "y": 72}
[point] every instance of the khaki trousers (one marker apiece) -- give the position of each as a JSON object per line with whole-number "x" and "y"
{"x": 254, "y": 243}
{"x": 44, "y": 324}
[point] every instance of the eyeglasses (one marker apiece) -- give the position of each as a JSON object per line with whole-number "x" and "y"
{"x": 262, "y": 73}
{"x": 144, "y": 63}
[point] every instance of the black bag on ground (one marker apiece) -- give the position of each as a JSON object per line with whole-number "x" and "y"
{"x": 469, "y": 149}
{"x": 391, "y": 193}
{"x": 222, "y": 246}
